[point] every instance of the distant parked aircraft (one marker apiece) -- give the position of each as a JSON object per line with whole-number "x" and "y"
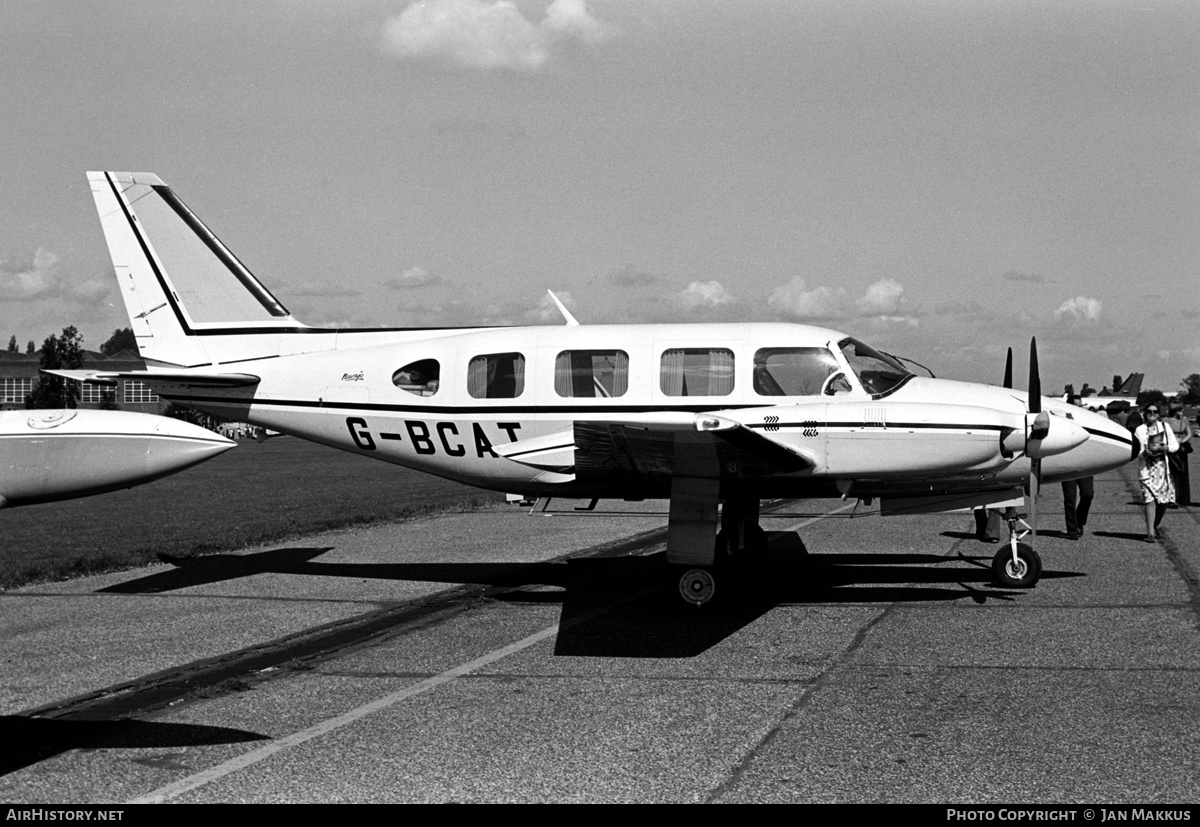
{"x": 58, "y": 455}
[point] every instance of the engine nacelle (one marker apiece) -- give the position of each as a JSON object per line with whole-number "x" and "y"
{"x": 1045, "y": 435}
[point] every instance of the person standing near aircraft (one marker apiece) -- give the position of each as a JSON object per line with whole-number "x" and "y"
{"x": 1077, "y": 495}
{"x": 1179, "y": 424}
{"x": 1158, "y": 491}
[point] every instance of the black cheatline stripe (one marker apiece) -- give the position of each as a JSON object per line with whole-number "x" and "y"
{"x": 891, "y": 426}
{"x": 1114, "y": 437}
{"x": 540, "y": 450}
{"x": 560, "y": 409}
{"x": 449, "y": 409}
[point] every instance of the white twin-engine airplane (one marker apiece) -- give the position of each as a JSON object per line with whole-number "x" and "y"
{"x": 714, "y": 417}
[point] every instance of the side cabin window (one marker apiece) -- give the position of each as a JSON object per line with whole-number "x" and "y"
{"x": 593, "y": 373}
{"x": 792, "y": 371}
{"x": 496, "y": 376}
{"x": 696, "y": 371}
{"x": 421, "y": 378}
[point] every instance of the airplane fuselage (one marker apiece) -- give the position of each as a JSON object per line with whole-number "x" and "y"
{"x": 349, "y": 396}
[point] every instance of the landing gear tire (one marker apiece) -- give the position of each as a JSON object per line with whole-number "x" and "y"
{"x": 1022, "y": 573}
{"x": 697, "y": 587}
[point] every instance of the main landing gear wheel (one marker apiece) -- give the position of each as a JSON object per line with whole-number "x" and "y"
{"x": 697, "y": 586}
{"x": 1022, "y": 573}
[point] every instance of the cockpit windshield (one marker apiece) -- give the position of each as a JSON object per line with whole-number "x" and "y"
{"x": 878, "y": 373}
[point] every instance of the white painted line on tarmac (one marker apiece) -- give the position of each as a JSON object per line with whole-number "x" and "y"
{"x": 177, "y": 788}
{"x": 173, "y": 790}
{"x": 812, "y": 520}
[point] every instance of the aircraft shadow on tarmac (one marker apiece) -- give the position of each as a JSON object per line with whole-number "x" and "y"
{"x": 25, "y": 741}
{"x": 623, "y": 605}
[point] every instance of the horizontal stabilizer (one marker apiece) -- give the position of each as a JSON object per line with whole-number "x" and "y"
{"x": 191, "y": 379}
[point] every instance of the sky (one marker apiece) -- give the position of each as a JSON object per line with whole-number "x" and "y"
{"x": 942, "y": 180}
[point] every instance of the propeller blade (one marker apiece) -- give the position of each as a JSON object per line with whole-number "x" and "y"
{"x": 1038, "y": 430}
{"x": 1008, "y": 370}
{"x": 1035, "y": 379}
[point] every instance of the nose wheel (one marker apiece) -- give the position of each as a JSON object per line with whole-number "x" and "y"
{"x": 1018, "y": 568}
{"x": 697, "y": 586}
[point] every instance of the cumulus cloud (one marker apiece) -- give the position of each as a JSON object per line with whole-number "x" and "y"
{"x": 411, "y": 278}
{"x": 93, "y": 291}
{"x": 1080, "y": 308}
{"x": 25, "y": 276}
{"x": 570, "y": 18}
{"x": 883, "y": 298}
{"x": 488, "y": 34}
{"x": 706, "y": 294}
{"x": 794, "y": 301}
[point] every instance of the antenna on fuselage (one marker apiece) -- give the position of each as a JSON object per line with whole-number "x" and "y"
{"x": 562, "y": 308}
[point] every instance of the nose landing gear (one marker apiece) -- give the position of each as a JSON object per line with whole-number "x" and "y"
{"x": 1016, "y": 565}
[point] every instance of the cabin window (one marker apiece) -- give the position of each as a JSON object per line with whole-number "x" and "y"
{"x": 792, "y": 371}
{"x": 421, "y": 378}
{"x": 697, "y": 371}
{"x": 496, "y": 376}
{"x": 602, "y": 373}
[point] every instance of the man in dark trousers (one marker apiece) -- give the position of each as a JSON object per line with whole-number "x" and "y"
{"x": 1077, "y": 496}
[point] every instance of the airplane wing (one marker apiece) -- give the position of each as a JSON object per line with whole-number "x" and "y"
{"x": 662, "y": 445}
{"x": 190, "y": 378}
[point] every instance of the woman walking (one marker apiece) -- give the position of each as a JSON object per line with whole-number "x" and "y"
{"x": 1156, "y": 440}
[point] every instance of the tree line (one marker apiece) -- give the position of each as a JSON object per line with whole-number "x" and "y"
{"x": 66, "y": 352}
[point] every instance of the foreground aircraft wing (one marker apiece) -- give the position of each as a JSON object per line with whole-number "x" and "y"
{"x": 187, "y": 378}
{"x": 57, "y": 455}
{"x": 669, "y": 444}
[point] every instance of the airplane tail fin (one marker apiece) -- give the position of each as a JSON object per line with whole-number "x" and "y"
{"x": 1132, "y": 385}
{"x": 178, "y": 281}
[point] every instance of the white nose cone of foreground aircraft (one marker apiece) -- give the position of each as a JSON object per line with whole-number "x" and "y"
{"x": 58, "y": 455}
